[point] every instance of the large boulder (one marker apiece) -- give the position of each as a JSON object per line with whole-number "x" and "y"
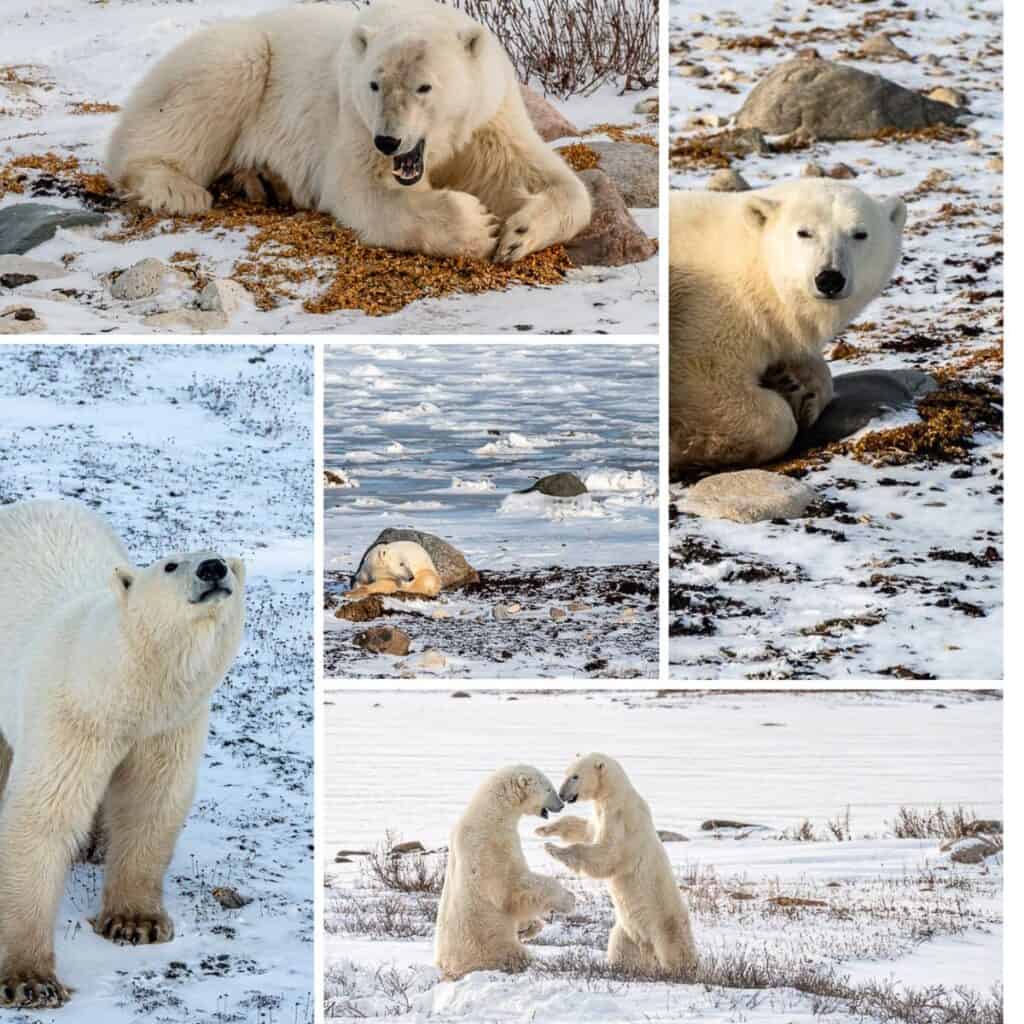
{"x": 23, "y": 226}
{"x": 548, "y": 122}
{"x": 633, "y": 167}
{"x": 828, "y": 101}
{"x": 860, "y": 397}
{"x": 612, "y": 238}
{"x": 558, "y": 485}
{"x": 747, "y": 496}
{"x": 450, "y": 563}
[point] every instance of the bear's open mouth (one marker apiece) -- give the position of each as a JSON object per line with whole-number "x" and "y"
{"x": 208, "y": 594}
{"x": 408, "y": 168}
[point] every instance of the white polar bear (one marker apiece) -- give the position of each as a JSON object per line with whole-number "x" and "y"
{"x": 491, "y": 901}
{"x": 652, "y": 933}
{"x": 759, "y": 283}
{"x": 104, "y": 700}
{"x": 403, "y": 565}
{"x": 403, "y": 120}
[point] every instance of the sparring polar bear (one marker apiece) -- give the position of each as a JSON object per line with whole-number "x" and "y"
{"x": 652, "y": 933}
{"x": 104, "y": 699}
{"x": 759, "y": 283}
{"x": 403, "y": 565}
{"x": 491, "y": 901}
{"x": 403, "y": 120}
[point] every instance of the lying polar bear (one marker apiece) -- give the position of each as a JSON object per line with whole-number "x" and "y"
{"x": 759, "y": 283}
{"x": 491, "y": 901}
{"x": 104, "y": 700}
{"x": 402, "y": 566}
{"x": 652, "y": 932}
{"x": 403, "y": 120}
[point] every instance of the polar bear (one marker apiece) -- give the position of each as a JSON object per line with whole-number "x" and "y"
{"x": 491, "y": 901}
{"x": 652, "y": 933}
{"x": 759, "y": 283}
{"x": 403, "y": 565}
{"x": 403, "y": 120}
{"x": 104, "y": 699}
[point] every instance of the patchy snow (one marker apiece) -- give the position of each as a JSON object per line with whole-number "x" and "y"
{"x": 81, "y": 51}
{"x": 187, "y": 448}
{"x": 886, "y": 910}
{"x": 899, "y": 570}
{"x": 445, "y": 449}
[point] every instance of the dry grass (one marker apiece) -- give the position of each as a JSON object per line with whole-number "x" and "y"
{"x": 579, "y": 156}
{"x": 408, "y": 872}
{"x": 91, "y": 107}
{"x": 936, "y": 823}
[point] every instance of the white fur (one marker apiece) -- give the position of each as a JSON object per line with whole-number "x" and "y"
{"x": 104, "y": 697}
{"x": 491, "y": 900}
{"x": 743, "y": 302}
{"x": 290, "y": 95}
{"x": 401, "y": 561}
{"x": 652, "y": 932}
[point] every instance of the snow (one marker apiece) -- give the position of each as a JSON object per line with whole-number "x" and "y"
{"x": 915, "y": 612}
{"x": 96, "y": 52}
{"x": 891, "y": 909}
{"x": 186, "y": 448}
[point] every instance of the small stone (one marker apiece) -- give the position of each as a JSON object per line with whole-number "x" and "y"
{"x": 338, "y": 478}
{"x": 557, "y": 614}
{"x": 432, "y": 660}
{"x": 712, "y": 824}
{"x": 384, "y": 640}
{"x": 688, "y": 70}
{"x": 647, "y": 106}
{"x": 667, "y": 836}
{"x": 995, "y": 165}
{"x": 814, "y": 170}
{"x": 579, "y": 606}
{"x": 140, "y": 281}
{"x": 24, "y": 314}
{"x": 842, "y": 172}
{"x": 728, "y": 180}
{"x": 943, "y": 94}
{"x": 224, "y": 296}
{"x": 503, "y": 612}
{"x": 361, "y": 611}
{"x": 440, "y": 613}
{"x": 412, "y": 846}
{"x": 628, "y": 615}
{"x": 460, "y": 695}
{"x": 881, "y": 45}
{"x": 230, "y": 899}
{"x": 17, "y": 280}
{"x": 747, "y": 496}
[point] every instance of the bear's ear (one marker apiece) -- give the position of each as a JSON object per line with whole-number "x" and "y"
{"x": 238, "y": 568}
{"x": 472, "y": 39}
{"x": 361, "y": 40}
{"x": 896, "y": 211}
{"x": 121, "y": 581}
{"x": 759, "y": 211}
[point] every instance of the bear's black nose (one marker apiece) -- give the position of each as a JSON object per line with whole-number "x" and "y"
{"x": 213, "y": 570}
{"x": 386, "y": 144}
{"x": 830, "y": 282}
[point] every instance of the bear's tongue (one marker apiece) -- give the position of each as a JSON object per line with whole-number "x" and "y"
{"x": 408, "y": 168}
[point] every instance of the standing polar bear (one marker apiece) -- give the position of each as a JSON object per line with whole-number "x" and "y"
{"x": 491, "y": 901}
{"x": 403, "y": 120}
{"x": 759, "y": 283}
{"x": 401, "y": 566}
{"x": 652, "y": 933}
{"x": 104, "y": 700}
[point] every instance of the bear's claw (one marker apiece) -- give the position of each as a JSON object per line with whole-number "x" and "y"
{"x": 36, "y": 992}
{"x": 134, "y": 929}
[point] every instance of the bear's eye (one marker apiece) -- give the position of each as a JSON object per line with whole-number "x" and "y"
{"x": 170, "y": 566}
{"x": 375, "y": 86}
{"x": 424, "y": 88}
{"x": 803, "y": 233}
{"x": 860, "y": 235}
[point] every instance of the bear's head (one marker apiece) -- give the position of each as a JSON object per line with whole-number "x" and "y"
{"x": 399, "y": 561}
{"x": 182, "y": 587}
{"x": 529, "y": 791}
{"x": 828, "y": 242}
{"x": 416, "y": 88}
{"x": 588, "y": 778}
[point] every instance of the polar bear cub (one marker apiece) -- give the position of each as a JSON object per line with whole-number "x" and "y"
{"x": 403, "y": 565}
{"x": 759, "y": 283}
{"x": 491, "y": 900}
{"x": 403, "y": 120}
{"x": 652, "y": 932}
{"x": 104, "y": 699}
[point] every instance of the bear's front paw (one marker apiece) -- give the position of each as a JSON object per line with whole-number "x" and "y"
{"x": 806, "y": 385}
{"x": 531, "y": 930}
{"x": 134, "y": 929}
{"x": 546, "y": 830}
{"x": 470, "y": 228}
{"x": 32, "y": 990}
{"x": 560, "y": 853}
{"x": 524, "y": 233}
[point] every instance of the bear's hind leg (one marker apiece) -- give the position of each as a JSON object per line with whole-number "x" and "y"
{"x": 425, "y": 582}
{"x": 674, "y": 947}
{"x": 623, "y": 952}
{"x": 149, "y": 798}
{"x": 180, "y": 125}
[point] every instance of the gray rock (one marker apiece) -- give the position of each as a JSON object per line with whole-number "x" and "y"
{"x": 972, "y": 850}
{"x": 450, "y": 563}
{"x": 716, "y": 823}
{"x": 20, "y": 320}
{"x": 558, "y": 485}
{"x": 747, "y": 496}
{"x": 224, "y": 296}
{"x": 728, "y": 180}
{"x": 828, "y": 101}
{"x": 23, "y": 226}
{"x": 668, "y": 836}
{"x": 140, "y": 281}
{"x": 860, "y": 397}
{"x": 634, "y": 169}
{"x": 383, "y": 640}
{"x": 612, "y": 238}
{"x": 881, "y": 45}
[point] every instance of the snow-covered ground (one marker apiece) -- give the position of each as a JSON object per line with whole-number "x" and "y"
{"x": 889, "y": 912}
{"x": 188, "y": 447}
{"x": 899, "y": 572}
{"x": 439, "y": 438}
{"x": 76, "y": 51}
